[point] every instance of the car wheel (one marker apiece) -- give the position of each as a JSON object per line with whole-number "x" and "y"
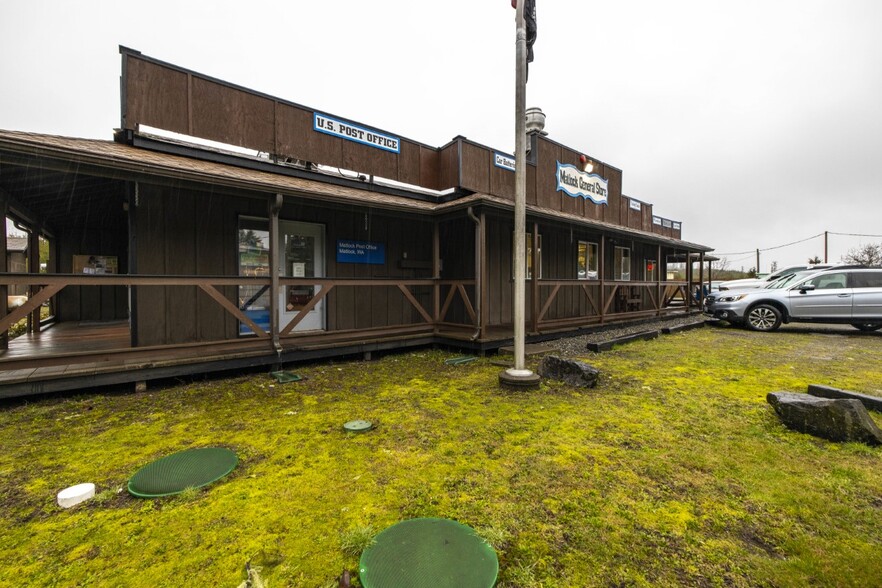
{"x": 867, "y": 327}
{"x": 763, "y": 317}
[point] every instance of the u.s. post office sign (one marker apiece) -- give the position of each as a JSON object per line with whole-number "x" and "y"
{"x": 575, "y": 183}
{"x": 350, "y": 132}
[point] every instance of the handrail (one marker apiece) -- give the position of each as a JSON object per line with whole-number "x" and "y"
{"x": 53, "y": 283}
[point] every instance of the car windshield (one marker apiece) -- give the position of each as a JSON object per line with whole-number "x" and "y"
{"x": 788, "y": 279}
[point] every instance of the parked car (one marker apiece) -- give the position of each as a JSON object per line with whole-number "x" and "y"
{"x": 765, "y": 281}
{"x": 844, "y": 294}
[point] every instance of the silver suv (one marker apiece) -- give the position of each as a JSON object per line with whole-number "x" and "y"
{"x": 844, "y": 294}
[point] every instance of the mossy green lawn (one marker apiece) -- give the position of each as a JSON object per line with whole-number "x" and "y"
{"x": 673, "y": 471}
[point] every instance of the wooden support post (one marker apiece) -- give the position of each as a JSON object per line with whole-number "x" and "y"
{"x": 275, "y": 205}
{"x": 483, "y": 287}
{"x": 436, "y": 271}
{"x": 4, "y": 290}
{"x": 601, "y": 272}
{"x": 134, "y": 200}
{"x": 658, "y": 278}
{"x": 34, "y": 268}
{"x": 534, "y": 283}
{"x": 688, "y": 281}
{"x": 701, "y": 280}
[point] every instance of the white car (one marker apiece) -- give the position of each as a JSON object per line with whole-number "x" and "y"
{"x": 764, "y": 282}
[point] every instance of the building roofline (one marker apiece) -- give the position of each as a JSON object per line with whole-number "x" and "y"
{"x": 140, "y": 161}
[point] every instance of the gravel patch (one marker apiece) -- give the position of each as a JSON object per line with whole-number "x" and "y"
{"x": 578, "y": 345}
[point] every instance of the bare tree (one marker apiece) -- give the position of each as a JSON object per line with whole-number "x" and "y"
{"x": 869, "y": 254}
{"x": 814, "y": 260}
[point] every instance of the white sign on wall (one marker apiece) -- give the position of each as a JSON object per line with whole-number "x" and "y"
{"x": 666, "y": 223}
{"x": 656, "y": 220}
{"x": 504, "y": 161}
{"x": 635, "y": 205}
{"x": 575, "y": 183}
{"x": 350, "y": 132}
{"x": 676, "y": 226}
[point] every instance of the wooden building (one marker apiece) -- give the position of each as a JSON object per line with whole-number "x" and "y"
{"x": 299, "y": 234}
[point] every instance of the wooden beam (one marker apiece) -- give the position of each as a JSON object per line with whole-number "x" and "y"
{"x": 591, "y": 299}
{"x": 301, "y": 314}
{"x": 612, "y": 296}
{"x": 468, "y": 304}
{"x": 233, "y": 309}
{"x": 415, "y": 303}
{"x": 447, "y": 302}
{"x": 33, "y": 302}
{"x": 548, "y": 302}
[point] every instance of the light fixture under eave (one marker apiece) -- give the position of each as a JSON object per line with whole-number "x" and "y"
{"x": 586, "y": 163}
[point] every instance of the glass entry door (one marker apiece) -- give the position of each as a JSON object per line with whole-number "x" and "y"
{"x": 302, "y": 253}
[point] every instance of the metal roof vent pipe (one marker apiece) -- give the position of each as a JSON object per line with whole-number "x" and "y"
{"x": 535, "y": 120}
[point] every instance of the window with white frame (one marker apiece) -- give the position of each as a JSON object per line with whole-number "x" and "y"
{"x": 587, "y": 262}
{"x": 622, "y": 264}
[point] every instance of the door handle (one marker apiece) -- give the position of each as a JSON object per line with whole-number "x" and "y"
{"x": 843, "y": 295}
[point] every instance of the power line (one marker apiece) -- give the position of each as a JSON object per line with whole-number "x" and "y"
{"x": 794, "y": 243}
{"x": 854, "y": 235}
{"x": 776, "y": 247}
{"x": 753, "y": 251}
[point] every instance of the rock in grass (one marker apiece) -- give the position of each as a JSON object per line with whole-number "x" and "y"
{"x": 570, "y": 371}
{"x": 833, "y": 419}
{"x": 821, "y": 391}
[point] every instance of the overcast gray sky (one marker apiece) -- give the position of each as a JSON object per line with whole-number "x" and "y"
{"x": 755, "y": 123}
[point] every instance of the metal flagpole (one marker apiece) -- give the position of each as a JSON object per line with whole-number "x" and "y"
{"x": 519, "y": 376}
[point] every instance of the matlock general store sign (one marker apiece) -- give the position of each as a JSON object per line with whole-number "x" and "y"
{"x": 575, "y": 183}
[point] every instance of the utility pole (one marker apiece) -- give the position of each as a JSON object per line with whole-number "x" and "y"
{"x": 518, "y": 376}
{"x": 757, "y": 262}
{"x": 825, "y": 246}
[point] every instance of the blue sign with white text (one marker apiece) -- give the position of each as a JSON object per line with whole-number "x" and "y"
{"x": 361, "y": 252}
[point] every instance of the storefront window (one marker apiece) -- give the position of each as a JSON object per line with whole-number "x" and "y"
{"x": 254, "y": 300}
{"x": 622, "y": 267}
{"x": 587, "y": 261}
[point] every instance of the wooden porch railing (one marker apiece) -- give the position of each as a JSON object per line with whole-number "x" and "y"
{"x": 618, "y": 299}
{"x": 604, "y": 299}
{"x": 48, "y": 285}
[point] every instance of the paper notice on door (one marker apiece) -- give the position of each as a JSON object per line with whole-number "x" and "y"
{"x": 298, "y": 270}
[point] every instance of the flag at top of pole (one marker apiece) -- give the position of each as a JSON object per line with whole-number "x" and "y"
{"x": 530, "y": 18}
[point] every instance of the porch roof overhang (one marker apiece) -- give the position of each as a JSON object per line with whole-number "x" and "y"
{"x": 120, "y": 161}
{"x": 558, "y": 216}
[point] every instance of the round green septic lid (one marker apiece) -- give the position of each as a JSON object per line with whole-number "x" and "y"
{"x": 358, "y": 426}
{"x": 175, "y": 473}
{"x": 428, "y": 552}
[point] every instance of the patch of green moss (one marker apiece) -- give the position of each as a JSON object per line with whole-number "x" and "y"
{"x": 674, "y": 471}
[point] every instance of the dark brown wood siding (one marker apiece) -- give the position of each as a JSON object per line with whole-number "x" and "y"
{"x": 167, "y": 97}
{"x": 186, "y": 232}
{"x": 104, "y": 232}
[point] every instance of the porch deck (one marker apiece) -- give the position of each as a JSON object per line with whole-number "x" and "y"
{"x": 77, "y": 355}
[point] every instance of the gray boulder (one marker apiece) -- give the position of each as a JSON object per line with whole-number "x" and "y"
{"x": 821, "y": 391}
{"x": 570, "y": 371}
{"x": 833, "y": 419}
